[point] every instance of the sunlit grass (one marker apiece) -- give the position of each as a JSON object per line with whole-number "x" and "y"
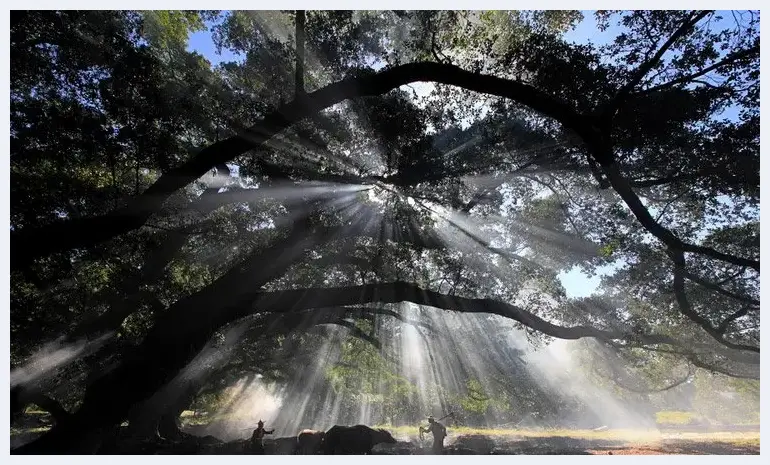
{"x": 748, "y": 438}
{"x": 633, "y": 436}
{"x": 675, "y": 418}
{"x": 37, "y": 429}
{"x": 527, "y": 433}
{"x": 33, "y": 409}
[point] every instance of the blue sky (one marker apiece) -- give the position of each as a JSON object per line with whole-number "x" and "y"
{"x": 587, "y": 31}
{"x": 577, "y": 283}
{"x": 203, "y": 43}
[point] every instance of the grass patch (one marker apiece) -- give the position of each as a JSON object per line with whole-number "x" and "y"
{"x": 533, "y": 433}
{"x": 631, "y": 436}
{"x": 38, "y": 429}
{"x": 743, "y": 438}
{"x": 33, "y": 409}
{"x": 676, "y": 418}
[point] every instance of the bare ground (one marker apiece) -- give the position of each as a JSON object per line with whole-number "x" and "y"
{"x": 568, "y": 445}
{"x": 490, "y": 442}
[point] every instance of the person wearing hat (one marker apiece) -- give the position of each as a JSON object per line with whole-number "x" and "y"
{"x": 439, "y": 433}
{"x": 257, "y": 444}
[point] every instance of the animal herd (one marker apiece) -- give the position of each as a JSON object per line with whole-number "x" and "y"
{"x": 338, "y": 440}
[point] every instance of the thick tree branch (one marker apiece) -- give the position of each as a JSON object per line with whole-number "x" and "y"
{"x": 686, "y": 309}
{"x": 743, "y": 311}
{"x": 357, "y": 332}
{"x": 693, "y": 358}
{"x": 623, "y": 188}
{"x": 718, "y": 289}
{"x": 303, "y": 299}
{"x": 717, "y": 369}
{"x": 63, "y": 235}
{"x": 617, "y": 380}
{"x": 293, "y": 300}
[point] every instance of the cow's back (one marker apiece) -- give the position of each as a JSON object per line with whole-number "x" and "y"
{"x": 348, "y": 440}
{"x": 309, "y": 441}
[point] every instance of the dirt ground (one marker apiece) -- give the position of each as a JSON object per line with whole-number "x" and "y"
{"x": 520, "y": 442}
{"x": 563, "y": 442}
{"x": 695, "y": 444}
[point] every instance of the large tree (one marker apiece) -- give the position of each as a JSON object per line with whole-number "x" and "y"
{"x": 527, "y": 156}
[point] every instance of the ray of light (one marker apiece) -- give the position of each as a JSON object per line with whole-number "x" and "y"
{"x": 49, "y": 357}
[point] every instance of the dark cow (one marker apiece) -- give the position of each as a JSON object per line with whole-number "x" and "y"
{"x": 281, "y": 446}
{"x": 355, "y": 440}
{"x": 309, "y": 441}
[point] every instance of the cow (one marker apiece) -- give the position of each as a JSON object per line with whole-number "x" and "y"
{"x": 309, "y": 441}
{"x": 281, "y": 446}
{"x": 355, "y": 440}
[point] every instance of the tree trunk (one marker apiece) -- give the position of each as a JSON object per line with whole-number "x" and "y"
{"x": 143, "y": 420}
{"x": 168, "y": 426}
{"x": 177, "y": 337}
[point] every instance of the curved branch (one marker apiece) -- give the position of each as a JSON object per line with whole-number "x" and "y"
{"x": 668, "y": 387}
{"x": 29, "y": 244}
{"x": 357, "y": 332}
{"x": 294, "y": 300}
{"x": 693, "y": 358}
{"x": 623, "y": 188}
{"x": 718, "y": 289}
{"x": 713, "y": 368}
{"x": 734, "y": 316}
{"x": 686, "y": 309}
{"x": 408, "y": 321}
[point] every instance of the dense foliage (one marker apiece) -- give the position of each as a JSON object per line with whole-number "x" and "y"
{"x": 178, "y": 225}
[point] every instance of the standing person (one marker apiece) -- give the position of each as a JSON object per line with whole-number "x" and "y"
{"x": 257, "y": 446}
{"x": 439, "y": 433}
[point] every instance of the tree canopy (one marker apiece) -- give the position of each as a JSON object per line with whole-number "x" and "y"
{"x": 176, "y": 223}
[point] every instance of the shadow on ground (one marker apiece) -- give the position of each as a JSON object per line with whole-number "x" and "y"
{"x": 476, "y": 444}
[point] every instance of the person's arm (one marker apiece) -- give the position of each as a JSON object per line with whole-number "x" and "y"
{"x": 270, "y": 432}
